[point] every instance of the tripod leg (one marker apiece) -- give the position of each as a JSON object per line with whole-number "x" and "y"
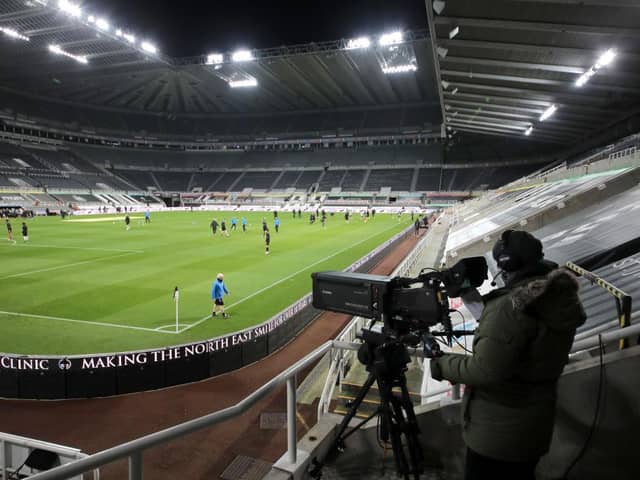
{"x": 391, "y": 419}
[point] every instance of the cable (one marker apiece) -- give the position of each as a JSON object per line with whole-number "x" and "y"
{"x": 463, "y": 347}
{"x": 595, "y": 415}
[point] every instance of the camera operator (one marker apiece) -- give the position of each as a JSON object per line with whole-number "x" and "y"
{"x": 520, "y": 348}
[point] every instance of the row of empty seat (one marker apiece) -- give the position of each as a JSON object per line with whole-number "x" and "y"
{"x": 406, "y": 168}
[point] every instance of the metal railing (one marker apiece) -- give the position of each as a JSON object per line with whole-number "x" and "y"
{"x": 622, "y": 299}
{"x": 134, "y": 449}
{"x": 9, "y": 442}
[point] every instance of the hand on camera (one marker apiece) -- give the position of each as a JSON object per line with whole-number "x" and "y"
{"x": 431, "y": 347}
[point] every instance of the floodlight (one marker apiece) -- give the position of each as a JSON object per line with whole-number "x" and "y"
{"x": 69, "y": 8}
{"x": 584, "y": 78}
{"x": 454, "y": 91}
{"x": 392, "y": 38}
{"x": 215, "y": 59}
{"x": 442, "y": 52}
{"x": 10, "y": 32}
{"x": 606, "y": 58}
{"x": 528, "y": 131}
{"x": 148, "y": 47}
{"x": 250, "y": 82}
{"x": 91, "y": 19}
{"x": 59, "y": 51}
{"x": 102, "y": 24}
{"x": 548, "y": 112}
{"x": 454, "y": 32}
{"x": 360, "y": 42}
{"x": 445, "y": 84}
{"x": 400, "y": 69}
{"x": 242, "y": 56}
{"x": 118, "y": 33}
{"x": 129, "y": 38}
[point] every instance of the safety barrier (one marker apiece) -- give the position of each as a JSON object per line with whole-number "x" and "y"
{"x": 622, "y": 299}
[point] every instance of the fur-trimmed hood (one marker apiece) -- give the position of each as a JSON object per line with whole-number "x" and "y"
{"x": 553, "y": 299}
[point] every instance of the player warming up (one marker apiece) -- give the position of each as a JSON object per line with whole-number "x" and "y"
{"x": 267, "y": 241}
{"x": 276, "y": 224}
{"x": 244, "y": 224}
{"x": 214, "y": 226}
{"x": 9, "y": 231}
{"x": 127, "y": 222}
{"x": 218, "y": 291}
{"x": 25, "y": 232}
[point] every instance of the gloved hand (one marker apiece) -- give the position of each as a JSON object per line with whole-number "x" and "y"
{"x": 431, "y": 347}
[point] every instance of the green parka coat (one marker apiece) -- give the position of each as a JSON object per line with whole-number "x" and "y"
{"x": 520, "y": 348}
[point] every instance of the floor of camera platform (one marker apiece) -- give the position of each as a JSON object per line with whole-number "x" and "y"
{"x": 365, "y": 458}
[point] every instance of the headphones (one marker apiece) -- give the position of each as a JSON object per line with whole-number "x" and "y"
{"x": 515, "y": 249}
{"x": 506, "y": 259}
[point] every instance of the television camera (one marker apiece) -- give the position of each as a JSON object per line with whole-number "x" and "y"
{"x": 408, "y": 308}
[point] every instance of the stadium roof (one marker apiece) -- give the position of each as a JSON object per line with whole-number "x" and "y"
{"x": 503, "y": 63}
{"x": 79, "y": 58}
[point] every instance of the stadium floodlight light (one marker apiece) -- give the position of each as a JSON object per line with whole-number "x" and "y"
{"x": 438, "y": 6}
{"x": 242, "y": 56}
{"x": 102, "y": 24}
{"x": 392, "y": 38}
{"x": 91, "y": 19}
{"x": 70, "y": 8}
{"x": 149, "y": 47}
{"x": 360, "y": 42}
{"x": 215, "y": 59}
{"x": 584, "y": 78}
{"x": 59, "y": 51}
{"x": 410, "y": 67}
{"x": 454, "y": 33}
{"x": 249, "y": 82}
{"x": 528, "y": 131}
{"x": 118, "y": 33}
{"x": 442, "y": 52}
{"x": 548, "y": 112}
{"x": 129, "y": 38}
{"x": 10, "y": 32}
{"x": 454, "y": 91}
{"x": 606, "y": 58}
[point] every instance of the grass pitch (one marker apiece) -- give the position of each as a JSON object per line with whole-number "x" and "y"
{"x": 86, "y": 285}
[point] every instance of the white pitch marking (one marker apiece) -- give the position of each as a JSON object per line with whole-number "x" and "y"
{"x": 35, "y": 245}
{"x": 69, "y": 265}
{"x": 283, "y": 279}
{"x": 88, "y": 322}
{"x": 173, "y": 325}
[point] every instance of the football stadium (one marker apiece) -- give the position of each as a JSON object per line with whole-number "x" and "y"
{"x": 359, "y": 239}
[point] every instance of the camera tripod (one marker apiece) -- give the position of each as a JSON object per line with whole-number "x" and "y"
{"x": 386, "y": 361}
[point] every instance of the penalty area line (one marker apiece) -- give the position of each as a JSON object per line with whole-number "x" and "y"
{"x": 258, "y": 292}
{"x": 87, "y": 322}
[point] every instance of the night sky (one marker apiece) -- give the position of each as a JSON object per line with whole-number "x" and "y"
{"x": 184, "y": 28}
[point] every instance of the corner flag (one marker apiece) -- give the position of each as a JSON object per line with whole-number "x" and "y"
{"x": 176, "y": 298}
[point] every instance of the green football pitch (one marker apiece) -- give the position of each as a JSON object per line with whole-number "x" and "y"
{"x": 87, "y": 285}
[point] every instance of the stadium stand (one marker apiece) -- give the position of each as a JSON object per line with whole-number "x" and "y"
{"x": 397, "y": 179}
{"x": 173, "y": 181}
{"x": 352, "y": 181}
{"x": 257, "y": 180}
